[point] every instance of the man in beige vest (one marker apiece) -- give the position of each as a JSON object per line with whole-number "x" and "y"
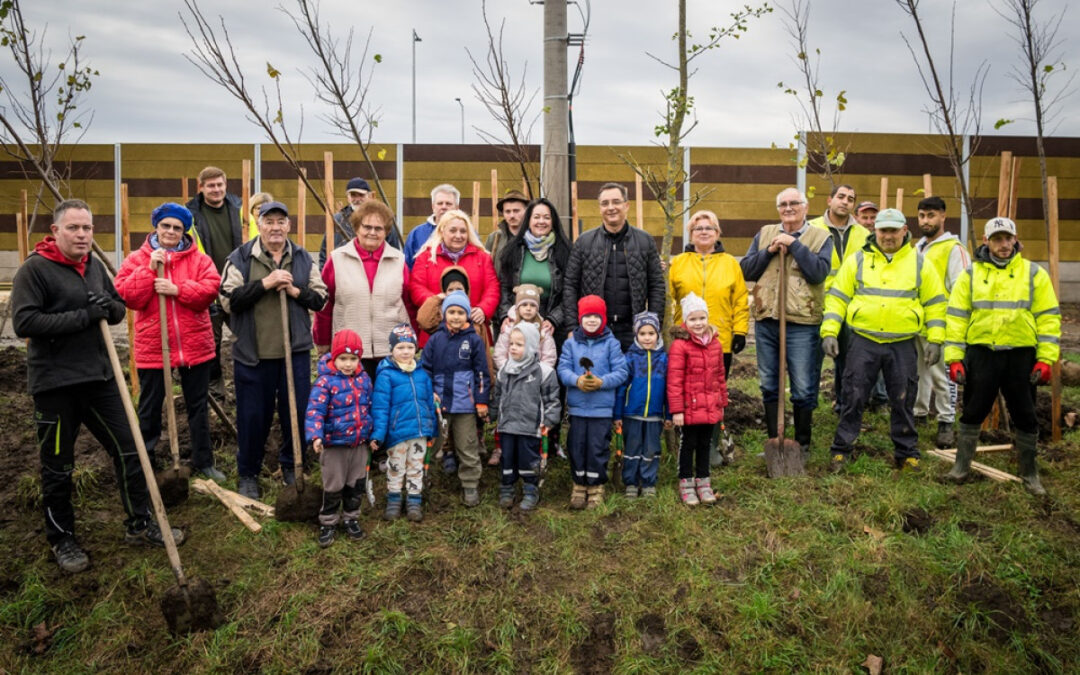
{"x": 809, "y": 258}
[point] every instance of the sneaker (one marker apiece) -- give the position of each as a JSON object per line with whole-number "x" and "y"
{"x": 470, "y": 497}
{"x": 631, "y": 492}
{"x": 449, "y": 464}
{"x": 288, "y": 475}
{"x": 836, "y": 464}
{"x": 506, "y": 496}
{"x": 353, "y": 529}
{"x": 70, "y": 556}
{"x": 326, "y": 535}
{"x": 150, "y": 534}
{"x": 413, "y": 510}
{"x": 687, "y": 493}
{"x": 210, "y": 473}
{"x": 648, "y": 492}
{"x": 704, "y": 490}
{"x": 248, "y": 487}
{"x": 908, "y": 465}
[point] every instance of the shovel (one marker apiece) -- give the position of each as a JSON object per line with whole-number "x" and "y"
{"x": 297, "y": 503}
{"x": 172, "y": 483}
{"x": 190, "y": 605}
{"x": 783, "y": 456}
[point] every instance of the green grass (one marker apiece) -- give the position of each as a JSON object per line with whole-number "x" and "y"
{"x": 793, "y": 575}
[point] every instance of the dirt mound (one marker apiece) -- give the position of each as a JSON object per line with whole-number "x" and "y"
{"x": 917, "y": 521}
{"x": 743, "y": 411}
{"x": 653, "y": 632}
{"x": 596, "y": 654}
{"x": 12, "y": 370}
{"x": 994, "y": 609}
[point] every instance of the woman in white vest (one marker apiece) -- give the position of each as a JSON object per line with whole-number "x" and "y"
{"x": 367, "y": 284}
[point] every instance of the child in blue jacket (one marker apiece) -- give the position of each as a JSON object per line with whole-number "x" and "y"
{"x": 641, "y": 407}
{"x": 456, "y": 358}
{"x": 403, "y": 413}
{"x": 592, "y": 368}
{"x": 338, "y": 424}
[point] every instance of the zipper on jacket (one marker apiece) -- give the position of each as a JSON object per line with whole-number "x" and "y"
{"x": 176, "y": 324}
{"x": 648, "y": 387}
{"x": 356, "y": 405}
{"x": 416, "y": 403}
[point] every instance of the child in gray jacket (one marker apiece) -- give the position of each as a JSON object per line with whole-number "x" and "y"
{"x": 525, "y": 405}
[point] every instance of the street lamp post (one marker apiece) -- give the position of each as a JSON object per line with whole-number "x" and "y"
{"x": 415, "y": 39}
{"x": 462, "y": 105}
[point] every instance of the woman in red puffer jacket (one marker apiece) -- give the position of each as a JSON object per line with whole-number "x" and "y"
{"x": 189, "y": 285}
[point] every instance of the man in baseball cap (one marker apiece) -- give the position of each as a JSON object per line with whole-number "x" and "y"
{"x": 865, "y": 213}
{"x": 358, "y": 191}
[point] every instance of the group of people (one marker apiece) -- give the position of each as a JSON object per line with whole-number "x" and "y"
{"x": 421, "y": 343}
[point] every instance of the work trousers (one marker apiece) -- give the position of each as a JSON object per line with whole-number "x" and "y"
{"x": 641, "y": 451}
{"x": 896, "y": 361}
{"x": 462, "y": 430}
{"x": 194, "y": 383}
{"x": 1008, "y": 371}
{"x": 934, "y": 380}
{"x": 58, "y": 414}
{"x": 343, "y": 472}
{"x": 520, "y": 458}
{"x": 405, "y": 466}
{"x": 258, "y": 389}
{"x": 694, "y": 451}
{"x": 588, "y": 444}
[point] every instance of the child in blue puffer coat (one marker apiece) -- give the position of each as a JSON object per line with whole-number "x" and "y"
{"x": 403, "y": 413}
{"x": 641, "y": 407}
{"x": 338, "y": 425}
{"x": 592, "y": 368}
{"x": 456, "y": 358}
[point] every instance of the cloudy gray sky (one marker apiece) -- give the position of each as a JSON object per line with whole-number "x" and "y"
{"x": 148, "y": 92}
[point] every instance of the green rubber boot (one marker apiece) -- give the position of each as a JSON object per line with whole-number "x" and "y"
{"x": 1029, "y": 470}
{"x": 966, "y": 442}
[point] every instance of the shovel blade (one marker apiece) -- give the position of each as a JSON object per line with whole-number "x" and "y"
{"x": 784, "y": 457}
{"x": 192, "y": 609}
{"x": 173, "y": 485}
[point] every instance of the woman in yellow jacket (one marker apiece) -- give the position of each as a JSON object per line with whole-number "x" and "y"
{"x": 705, "y": 269}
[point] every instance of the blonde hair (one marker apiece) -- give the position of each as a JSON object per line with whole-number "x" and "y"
{"x": 432, "y": 243}
{"x": 258, "y": 199}
{"x": 707, "y": 215}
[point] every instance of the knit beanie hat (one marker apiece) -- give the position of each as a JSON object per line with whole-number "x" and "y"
{"x": 346, "y": 342}
{"x": 693, "y": 303}
{"x": 454, "y": 273}
{"x": 172, "y": 210}
{"x": 402, "y": 332}
{"x": 456, "y": 299}
{"x": 646, "y": 319}
{"x": 532, "y": 337}
{"x": 527, "y": 293}
{"x": 593, "y": 304}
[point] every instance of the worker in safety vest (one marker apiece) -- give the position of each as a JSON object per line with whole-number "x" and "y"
{"x": 1004, "y": 329}
{"x": 945, "y": 254}
{"x": 887, "y": 298}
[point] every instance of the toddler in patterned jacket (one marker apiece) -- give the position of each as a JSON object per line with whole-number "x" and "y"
{"x": 338, "y": 426}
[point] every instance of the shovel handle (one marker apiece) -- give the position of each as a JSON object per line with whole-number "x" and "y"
{"x": 144, "y": 459}
{"x": 298, "y": 462}
{"x": 166, "y": 371}
{"x": 782, "y": 374}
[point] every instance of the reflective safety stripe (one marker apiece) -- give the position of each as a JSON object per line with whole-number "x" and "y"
{"x": 833, "y": 316}
{"x": 958, "y": 345}
{"x": 935, "y": 300}
{"x": 885, "y": 335}
{"x": 839, "y": 294}
{"x": 1001, "y": 304}
{"x": 1052, "y": 310}
{"x": 956, "y": 311}
{"x": 1049, "y": 338}
{"x": 591, "y": 474}
{"x": 889, "y": 292}
{"x": 935, "y": 323}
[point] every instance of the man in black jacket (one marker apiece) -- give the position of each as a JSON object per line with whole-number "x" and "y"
{"x": 58, "y": 298}
{"x": 618, "y": 262}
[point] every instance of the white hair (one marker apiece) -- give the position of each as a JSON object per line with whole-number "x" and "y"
{"x": 449, "y": 189}
{"x": 802, "y": 196}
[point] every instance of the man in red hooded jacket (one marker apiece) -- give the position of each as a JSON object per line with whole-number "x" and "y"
{"x": 58, "y": 298}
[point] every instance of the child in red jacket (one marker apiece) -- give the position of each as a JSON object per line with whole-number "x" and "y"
{"x": 697, "y": 394}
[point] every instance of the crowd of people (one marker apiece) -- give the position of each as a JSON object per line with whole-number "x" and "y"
{"x": 422, "y": 344}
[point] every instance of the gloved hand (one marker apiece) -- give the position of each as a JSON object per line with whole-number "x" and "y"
{"x": 98, "y": 306}
{"x": 738, "y": 343}
{"x": 1040, "y": 374}
{"x": 957, "y": 373}
{"x": 932, "y": 354}
{"x": 831, "y": 346}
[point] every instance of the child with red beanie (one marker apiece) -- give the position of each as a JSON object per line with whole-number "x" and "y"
{"x": 591, "y": 367}
{"x": 338, "y": 426}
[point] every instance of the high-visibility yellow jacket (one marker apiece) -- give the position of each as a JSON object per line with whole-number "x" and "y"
{"x": 718, "y": 279}
{"x": 1010, "y": 306}
{"x": 856, "y": 239}
{"x": 885, "y": 300}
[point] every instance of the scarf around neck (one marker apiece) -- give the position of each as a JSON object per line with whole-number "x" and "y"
{"x": 454, "y": 257}
{"x": 540, "y": 247}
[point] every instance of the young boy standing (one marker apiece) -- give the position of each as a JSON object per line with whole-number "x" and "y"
{"x": 641, "y": 405}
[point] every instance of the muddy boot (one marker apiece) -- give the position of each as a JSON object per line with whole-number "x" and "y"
{"x": 393, "y": 506}
{"x": 945, "y": 436}
{"x": 506, "y": 496}
{"x": 578, "y": 497}
{"x": 687, "y": 493}
{"x": 1029, "y": 470}
{"x": 705, "y": 494}
{"x": 413, "y": 510}
{"x": 770, "y": 419}
{"x": 966, "y": 442}
{"x": 595, "y": 496}
{"x": 804, "y": 425}
{"x": 531, "y": 497}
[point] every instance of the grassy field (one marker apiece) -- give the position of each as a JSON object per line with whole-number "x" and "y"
{"x": 793, "y": 575}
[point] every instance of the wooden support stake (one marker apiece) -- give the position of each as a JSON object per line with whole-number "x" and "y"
{"x": 1005, "y": 447}
{"x": 245, "y": 199}
{"x": 1014, "y": 187}
{"x": 1054, "y": 251}
{"x": 125, "y": 247}
{"x": 639, "y": 203}
{"x": 900, "y": 199}
{"x": 20, "y": 232}
{"x": 883, "y": 198}
{"x": 927, "y": 185}
{"x": 184, "y": 190}
{"x": 301, "y": 210}
{"x": 988, "y": 471}
{"x": 494, "y": 200}
{"x": 573, "y": 211}
{"x": 24, "y": 209}
{"x": 525, "y": 190}
{"x": 476, "y": 206}
{"x": 226, "y": 499}
{"x": 1003, "y": 184}
{"x": 328, "y": 195}
{"x": 199, "y": 485}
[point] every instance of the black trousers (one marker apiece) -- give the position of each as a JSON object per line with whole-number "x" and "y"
{"x": 1007, "y": 371}
{"x": 694, "y": 451}
{"x": 59, "y": 413}
{"x": 218, "y": 318}
{"x": 896, "y": 361}
{"x": 194, "y": 383}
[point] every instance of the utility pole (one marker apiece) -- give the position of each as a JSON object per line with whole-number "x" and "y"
{"x": 555, "y": 168}
{"x": 415, "y": 39}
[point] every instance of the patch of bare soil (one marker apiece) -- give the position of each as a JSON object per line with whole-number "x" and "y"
{"x": 997, "y": 611}
{"x": 596, "y": 653}
{"x": 653, "y": 632}
{"x": 917, "y": 521}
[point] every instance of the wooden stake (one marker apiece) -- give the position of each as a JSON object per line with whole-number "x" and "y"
{"x": 1005, "y": 447}
{"x": 988, "y": 471}
{"x": 125, "y": 247}
{"x": 226, "y": 499}
{"x": 573, "y": 211}
{"x": 184, "y": 190}
{"x": 900, "y": 199}
{"x": 525, "y": 188}
{"x": 20, "y": 232}
{"x": 1014, "y": 187}
{"x": 24, "y": 209}
{"x": 883, "y": 199}
{"x": 245, "y": 199}
{"x": 476, "y": 206}
{"x": 1003, "y": 185}
{"x": 927, "y": 185}
{"x": 494, "y": 200}
{"x": 639, "y": 204}
{"x": 1054, "y": 250}
{"x": 328, "y": 195}
{"x": 301, "y": 210}
{"x": 199, "y": 485}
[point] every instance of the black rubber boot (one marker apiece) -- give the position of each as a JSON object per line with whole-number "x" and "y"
{"x": 770, "y": 419}
{"x": 966, "y": 441}
{"x": 1029, "y": 470}
{"x": 804, "y": 426}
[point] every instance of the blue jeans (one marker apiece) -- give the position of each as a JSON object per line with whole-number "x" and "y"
{"x": 804, "y": 357}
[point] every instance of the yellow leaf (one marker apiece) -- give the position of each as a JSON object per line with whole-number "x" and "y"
{"x": 381, "y": 154}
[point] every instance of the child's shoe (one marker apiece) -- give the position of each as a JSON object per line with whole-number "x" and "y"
{"x": 530, "y": 497}
{"x": 631, "y": 492}
{"x": 353, "y": 529}
{"x": 704, "y": 491}
{"x": 687, "y": 492}
{"x": 648, "y": 492}
{"x": 596, "y": 496}
{"x": 506, "y": 496}
{"x": 413, "y": 510}
{"x": 578, "y": 497}
{"x": 393, "y": 506}
{"x": 470, "y": 497}
{"x": 326, "y": 535}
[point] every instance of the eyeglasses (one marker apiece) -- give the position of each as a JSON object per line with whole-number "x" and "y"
{"x": 364, "y": 227}
{"x": 789, "y": 205}
{"x": 172, "y": 228}
{"x": 704, "y": 228}
{"x": 612, "y": 202}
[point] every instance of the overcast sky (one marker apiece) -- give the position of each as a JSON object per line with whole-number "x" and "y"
{"x": 148, "y": 92}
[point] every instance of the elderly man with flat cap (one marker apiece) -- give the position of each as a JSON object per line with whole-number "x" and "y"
{"x": 358, "y": 191}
